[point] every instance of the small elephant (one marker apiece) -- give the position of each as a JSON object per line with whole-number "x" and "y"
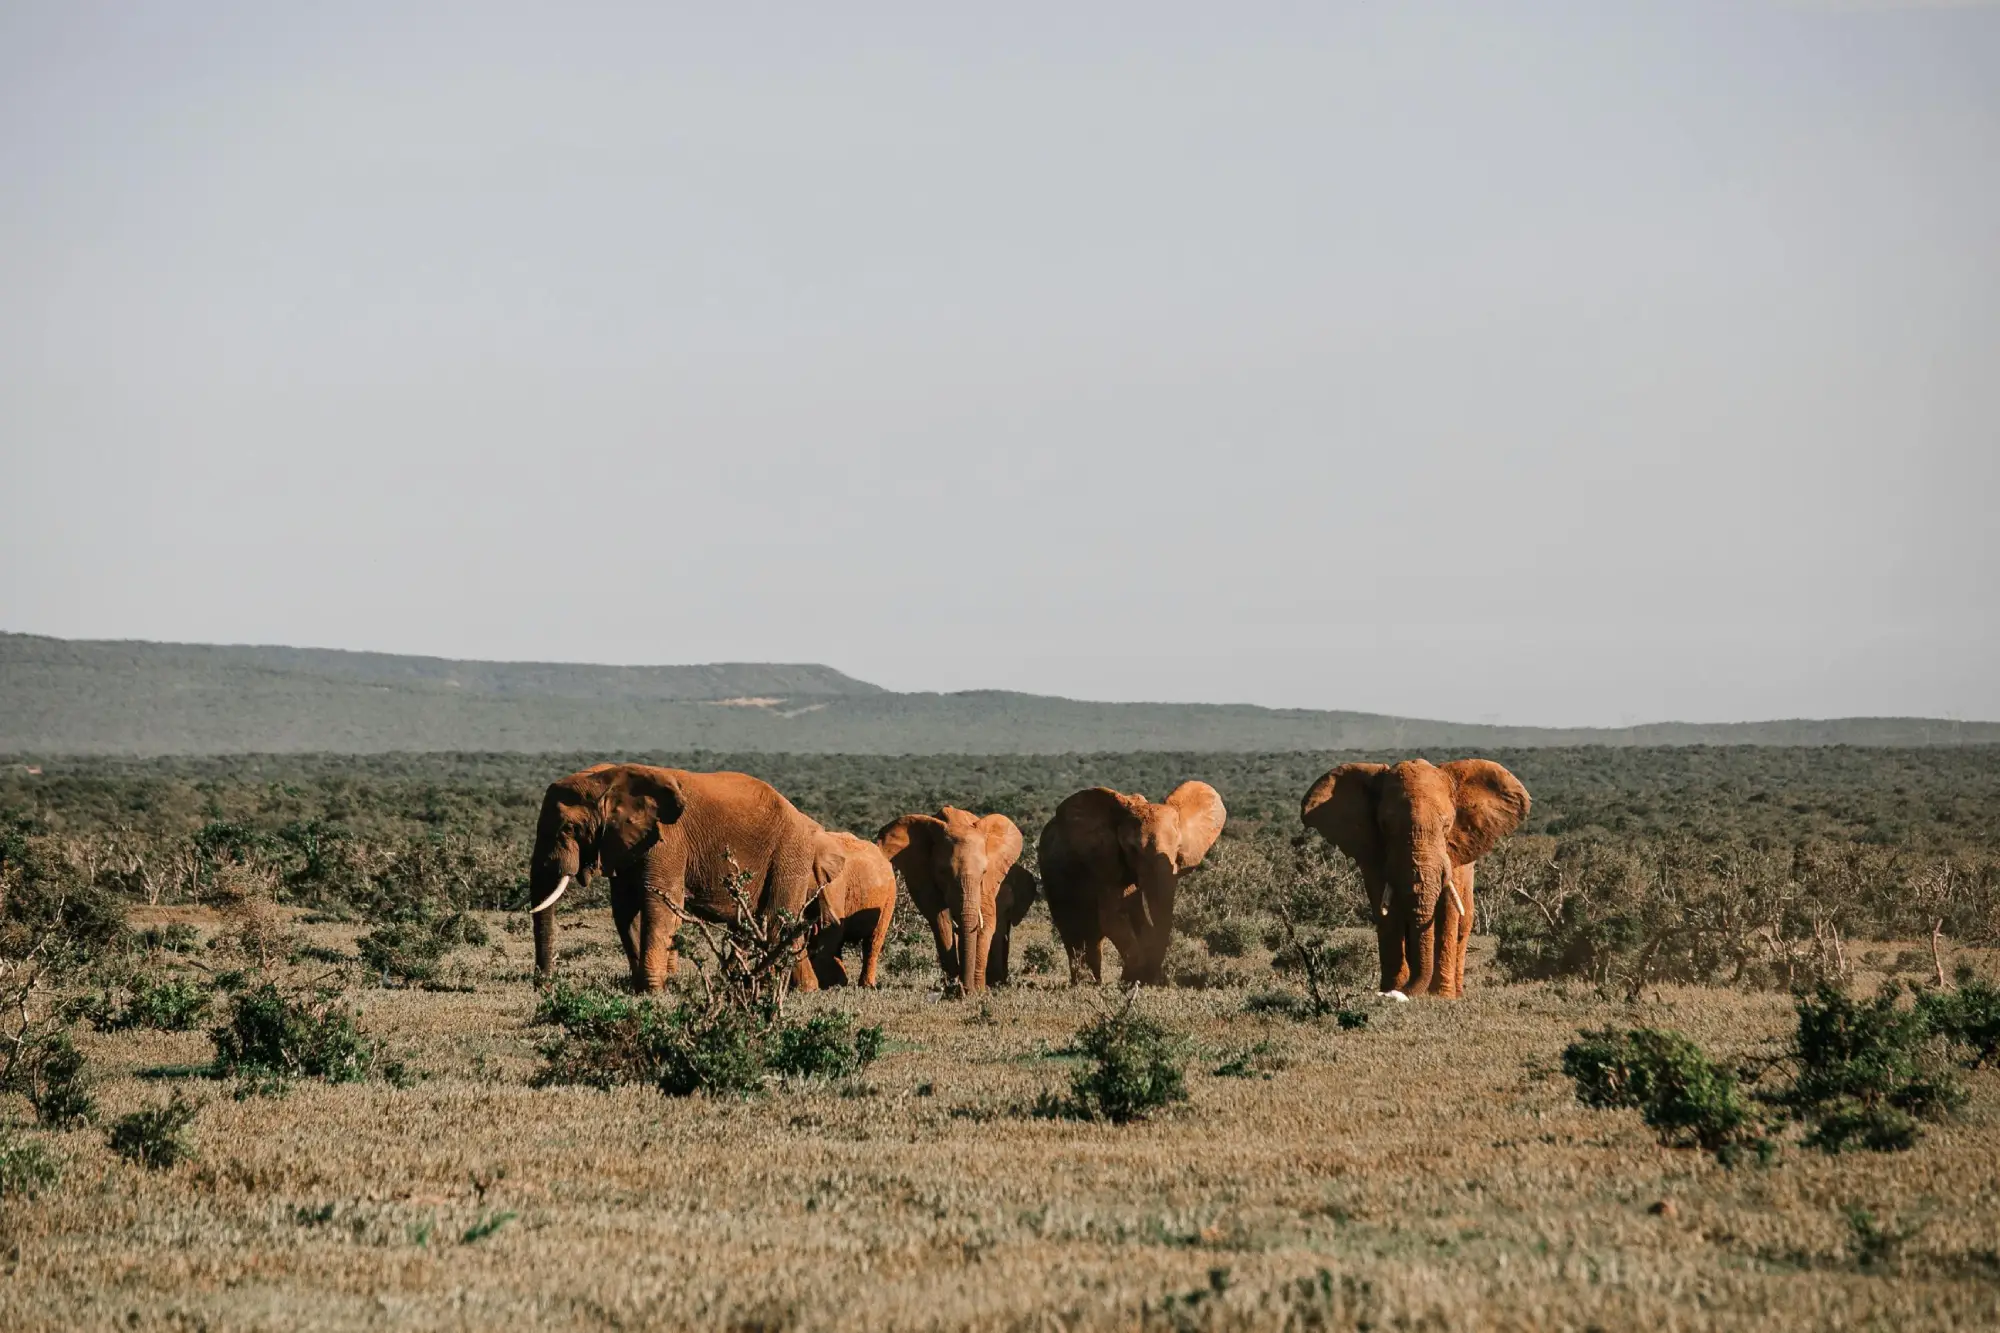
{"x": 1110, "y": 866}
{"x": 964, "y": 876}
{"x": 674, "y": 843}
{"x": 1415, "y": 829}
{"x": 856, "y": 900}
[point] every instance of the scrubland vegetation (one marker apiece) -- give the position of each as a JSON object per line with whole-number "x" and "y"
{"x": 271, "y": 1055}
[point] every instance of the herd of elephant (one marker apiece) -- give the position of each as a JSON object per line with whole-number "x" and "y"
{"x": 676, "y": 844}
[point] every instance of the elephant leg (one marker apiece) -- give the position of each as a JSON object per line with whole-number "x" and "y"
{"x": 824, "y": 949}
{"x": 1391, "y": 954}
{"x": 1124, "y": 938}
{"x": 661, "y": 896}
{"x": 1093, "y": 961}
{"x": 1461, "y": 934}
{"x": 1389, "y": 950}
{"x": 627, "y": 893}
{"x": 996, "y": 959}
{"x": 1420, "y": 940}
{"x": 829, "y": 970}
{"x": 945, "y": 936}
{"x": 871, "y": 948}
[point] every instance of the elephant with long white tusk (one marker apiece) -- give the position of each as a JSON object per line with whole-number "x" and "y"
{"x": 675, "y": 844}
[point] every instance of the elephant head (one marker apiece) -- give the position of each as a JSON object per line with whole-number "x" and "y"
{"x": 601, "y": 819}
{"x": 963, "y": 877}
{"x": 1410, "y": 827}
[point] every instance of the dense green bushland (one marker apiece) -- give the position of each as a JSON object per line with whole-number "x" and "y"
{"x": 1636, "y": 867}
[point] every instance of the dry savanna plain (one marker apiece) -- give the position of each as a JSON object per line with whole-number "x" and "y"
{"x": 1429, "y": 1168}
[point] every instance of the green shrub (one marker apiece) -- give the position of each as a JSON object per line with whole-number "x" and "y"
{"x": 155, "y": 1138}
{"x": 164, "y": 1004}
{"x": 1135, "y": 1066}
{"x": 274, "y": 1035}
{"x": 1038, "y": 958}
{"x": 1861, "y": 1073}
{"x": 1228, "y": 938}
{"x": 608, "y": 1040}
{"x": 720, "y": 1052}
{"x": 603, "y": 1046}
{"x": 174, "y": 937}
{"x": 1258, "y": 1060}
{"x": 48, "y": 1070}
{"x": 564, "y": 1005}
{"x": 26, "y": 1167}
{"x": 824, "y": 1046}
{"x": 411, "y": 951}
{"x": 1968, "y": 1017}
{"x": 1690, "y": 1101}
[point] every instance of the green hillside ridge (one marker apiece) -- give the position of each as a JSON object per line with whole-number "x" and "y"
{"x": 62, "y": 696}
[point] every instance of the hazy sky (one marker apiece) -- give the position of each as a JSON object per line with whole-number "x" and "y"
{"x": 1594, "y": 363}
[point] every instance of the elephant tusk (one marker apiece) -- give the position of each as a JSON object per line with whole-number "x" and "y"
{"x": 1456, "y": 901}
{"x": 550, "y": 901}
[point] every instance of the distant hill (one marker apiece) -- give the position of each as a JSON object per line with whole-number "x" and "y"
{"x": 63, "y": 696}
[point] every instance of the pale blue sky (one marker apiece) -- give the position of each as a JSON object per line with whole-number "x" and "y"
{"x": 1581, "y": 364}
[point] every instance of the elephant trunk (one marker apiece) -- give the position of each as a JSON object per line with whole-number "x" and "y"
{"x": 545, "y": 945}
{"x": 545, "y": 887}
{"x": 973, "y": 932}
{"x": 1157, "y": 881}
{"x": 1420, "y": 930}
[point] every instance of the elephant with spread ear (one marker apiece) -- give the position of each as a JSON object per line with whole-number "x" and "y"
{"x": 964, "y": 876}
{"x": 856, "y": 900}
{"x": 673, "y": 843}
{"x": 1110, "y": 866}
{"x": 1415, "y": 830}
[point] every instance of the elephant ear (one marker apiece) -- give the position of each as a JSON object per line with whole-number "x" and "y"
{"x": 658, "y": 789}
{"x": 1089, "y": 823}
{"x": 910, "y": 844}
{"x": 1017, "y": 895}
{"x": 1491, "y": 804}
{"x": 1202, "y": 816}
{"x": 1003, "y": 839}
{"x": 829, "y": 858}
{"x": 1340, "y": 807}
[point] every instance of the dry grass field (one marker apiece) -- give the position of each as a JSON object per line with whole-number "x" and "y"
{"x": 1431, "y": 1170}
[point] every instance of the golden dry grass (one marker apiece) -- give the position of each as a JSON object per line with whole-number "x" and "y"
{"x": 1432, "y": 1165}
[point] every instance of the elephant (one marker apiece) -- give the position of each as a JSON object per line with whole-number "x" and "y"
{"x": 673, "y": 843}
{"x": 856, "y": 900}
{"x": 1416, "y": 829}
{"x": 965, "y": 877}
{"x": 1110, "y": 866}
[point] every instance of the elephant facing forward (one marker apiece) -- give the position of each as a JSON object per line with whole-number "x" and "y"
{"x": 855, "y": 904}
{"x": 1416, "y": 830}
{"x": 673, "y": 843}
{"x": 965, "y": 878}
{"x": 1110, "y": 866}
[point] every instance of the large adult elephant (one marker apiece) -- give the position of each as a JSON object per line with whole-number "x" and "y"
{"x": 855, "y": 905}
{"x": 1415, "y": 830}
{"x": 966, "y": 879}
{"x": 673, "y": 843}
{"x": 1110, "y": 866}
